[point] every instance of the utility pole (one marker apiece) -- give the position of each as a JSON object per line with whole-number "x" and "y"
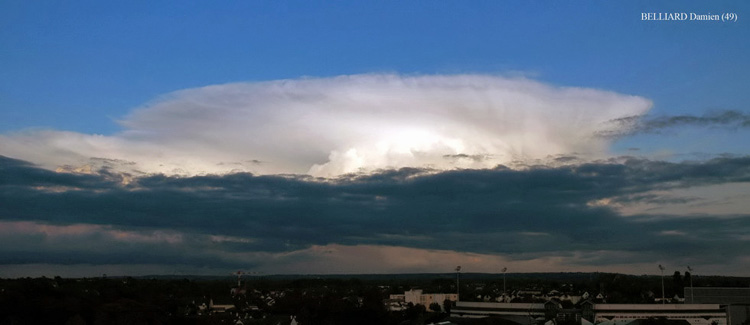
{"x": 662, "y": 283}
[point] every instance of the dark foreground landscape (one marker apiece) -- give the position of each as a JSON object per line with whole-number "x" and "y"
{"x": 340, "y": 299}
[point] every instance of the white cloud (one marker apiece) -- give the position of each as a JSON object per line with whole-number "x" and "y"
{"x": 330, "y": 126}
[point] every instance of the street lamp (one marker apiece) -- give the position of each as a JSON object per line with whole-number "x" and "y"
{"x": 662, "y": 283}
{"x": 458, "y": 288}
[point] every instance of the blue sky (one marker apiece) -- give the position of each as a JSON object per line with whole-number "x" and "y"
{"x": 81, "y": 65}
{"x": 118, "y": 99}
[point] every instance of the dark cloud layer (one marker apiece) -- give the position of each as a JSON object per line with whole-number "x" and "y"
{"x": 534, "y": 212}
{"x": 657, "y": 124}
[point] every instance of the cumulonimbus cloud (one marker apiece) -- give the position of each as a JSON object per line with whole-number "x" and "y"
{"x": 332, "y": 126}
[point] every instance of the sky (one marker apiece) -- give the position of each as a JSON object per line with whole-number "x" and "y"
{"x": 306, "y": 137}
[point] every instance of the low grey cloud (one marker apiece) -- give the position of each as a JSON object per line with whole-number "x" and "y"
{"x": 644, "y": 124}
{"x": 523, "y": 214}
{"x": 476, "y": 158}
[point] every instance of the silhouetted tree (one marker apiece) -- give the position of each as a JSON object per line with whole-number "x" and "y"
{"x": 447, "y": 304}
{"x": 677, "y": 282}
{"x": 415, "y": 314}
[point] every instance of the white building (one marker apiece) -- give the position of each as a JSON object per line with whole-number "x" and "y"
{"x": 416, "y": 297}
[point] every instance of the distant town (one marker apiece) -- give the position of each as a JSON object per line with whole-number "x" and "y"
{"x": 450, "y": 298}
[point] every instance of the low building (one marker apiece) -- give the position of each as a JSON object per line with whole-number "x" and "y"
{"x": 714, "y": 295}
{"x": 695, "y": 314}
{"x": 588, "y": 312}
{"x": 735, "y": 300}
{"x": 521, "y": 313}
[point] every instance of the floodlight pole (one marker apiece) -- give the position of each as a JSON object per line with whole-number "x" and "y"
{"x": 692, "y": 294}
{"x": 661, "y": 268}
{"x": 239, "y": 277}
{"x": 458, "y": 288}
{"x": 504, "y": 270}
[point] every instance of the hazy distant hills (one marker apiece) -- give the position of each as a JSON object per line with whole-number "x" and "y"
{"x": 542, "y": 276}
